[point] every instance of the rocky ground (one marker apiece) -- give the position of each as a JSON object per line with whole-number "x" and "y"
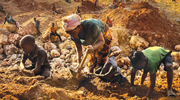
{"x": 136, "y": 27}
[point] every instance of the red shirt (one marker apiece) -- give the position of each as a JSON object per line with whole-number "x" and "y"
{"x": 109, "y": 22}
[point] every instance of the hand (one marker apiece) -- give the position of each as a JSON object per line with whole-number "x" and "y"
{"x": 133, "y": 89}
{"x": 90, "y": 48}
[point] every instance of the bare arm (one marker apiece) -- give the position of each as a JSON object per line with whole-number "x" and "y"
{"x": 100, "y": 42}
{"x": 143, "y": 77}
{"x": 37, "y": 69}
{"x": 79, "y": 49}
{"x": 152, "y": 78}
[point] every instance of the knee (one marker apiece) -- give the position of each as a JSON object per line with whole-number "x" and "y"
{"x": 169, "y": 67}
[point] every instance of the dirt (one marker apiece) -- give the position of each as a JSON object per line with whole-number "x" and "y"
{"x": 151, "y": 20}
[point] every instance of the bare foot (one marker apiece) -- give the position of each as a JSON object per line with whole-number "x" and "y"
{"x": 170, "y": 93}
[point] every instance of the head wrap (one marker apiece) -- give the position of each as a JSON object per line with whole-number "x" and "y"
{"x": 71, "y": 22}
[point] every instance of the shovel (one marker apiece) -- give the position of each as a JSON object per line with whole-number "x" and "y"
{"x": 78, "y": 75}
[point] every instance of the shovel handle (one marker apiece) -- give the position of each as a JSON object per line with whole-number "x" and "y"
{"x": 82, "y": 63}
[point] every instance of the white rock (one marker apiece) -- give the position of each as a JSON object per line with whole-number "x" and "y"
{"x": 177, "y": 47}
{"x": 1, "y": 50}
{"x": 49, "y": 46}
{"x": 28, "y": 29}
{"x": 54, "y": 53}
{"x": 3, "y": 39}
{"x": 14, "y": 39}
{"x": 10, "y": 49}
{"x": 65, "y": 51}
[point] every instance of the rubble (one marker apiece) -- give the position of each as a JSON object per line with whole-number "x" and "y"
{"x": 14, "y": 39}
{"x": 49, "y": 46}
{"x": 137, "y": 41}
{"x": 54, "y": 53}
{"x": 28, "y": 29}
{"x": 10, "y": 49}
{"x": 11, "y": 27}
{"x": 177, "y": 47}
{"x": 3, "y": 39}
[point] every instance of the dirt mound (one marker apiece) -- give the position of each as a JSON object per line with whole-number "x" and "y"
{"x": 89, "y": 7}
{"x": 31, "y": 5}
{"x": 148, "y": 22}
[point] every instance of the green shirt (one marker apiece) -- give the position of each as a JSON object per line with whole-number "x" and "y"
{"x": 155, "y": 55}
{"x": 92, "y": 29}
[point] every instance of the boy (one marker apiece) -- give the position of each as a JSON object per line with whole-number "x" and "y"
{"x": 53, "y": 30}
{"x": 37, "y": 23}
{"x": 37, "y": 55}
{"x": 150, "y": 60}
{"x": 109, "y": 22}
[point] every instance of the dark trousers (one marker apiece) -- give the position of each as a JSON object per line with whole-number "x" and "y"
{"x": 55, "y": 34}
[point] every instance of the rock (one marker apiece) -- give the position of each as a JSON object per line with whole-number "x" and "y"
{"x": 53, "y": 95}
{"x": 9, "y": 97}
{"x": 3, "y": 39}
{"x": 34, "y": 92}
{"x": 140, "y": 49}
{"x": 177, "y": 47}
{"x": 4, "y": 31}
{"x": 68, "y": 60}
{"x": 175, "y": 65}
{"x": 57, "y": 61}
{"x": 46, "y": 36}
{"x": 65, "y": 45}
{"x": 28, "y": 29}
{"x": 1, "y": 50}
{"x": 115, "y": 48}
{"x": 175, "y": 56}
{"x": 49, "y": 46}
{"x": 137, "y": 41}
{"x": 39, "y": 43}
{"x": 0, "y": 45}
{"x": 65, "y": 51}
{"x": 62, "y": 56}
{"x": 11, "y": 28}
{"x": 54, "y": 53}
{"x": 40, "y": 98}
{"x": 10, "y": 49}
{"x": 123, "y": 61}
{"x": 1, "y": 57}
{"x": 63, "y": 38}
{"x": 27, "y": 73}
{"x": 14, "y": 39}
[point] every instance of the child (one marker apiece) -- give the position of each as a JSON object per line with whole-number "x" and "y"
{"x": 150, "y": 60}
{"x": 37, "y": 23}
{"x": 53, "y": 30}
{"x": 37, "y": 55}
{"x": 109, "y": 22}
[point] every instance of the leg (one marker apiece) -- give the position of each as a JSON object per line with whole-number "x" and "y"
{"x": 59, "y": 37}
{"x": 46, "y": 72}
{"x": 168, "y": 67}
{"x": 91, "y": 62}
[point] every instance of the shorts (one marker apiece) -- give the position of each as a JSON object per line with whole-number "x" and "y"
{"x": 167, "y": 59}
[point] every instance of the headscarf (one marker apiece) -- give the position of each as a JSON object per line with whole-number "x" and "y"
{"x": 71, "y": 22}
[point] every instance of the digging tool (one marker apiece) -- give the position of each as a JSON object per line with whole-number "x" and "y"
{"x": 78, "y": 75}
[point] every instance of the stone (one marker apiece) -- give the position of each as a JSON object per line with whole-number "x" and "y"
{"x": 10, "y": 49}
{"x": 1, "y": 50}
{"x": 123, "y": 61}
{"x": 63, "y": 38}
{"x": 11, "y": 28}
{"x": 54, "y": 53}
{"x": 175, "y": 56}
{"x": 1, "y": 57}
{"x": 34, "y": 92}
{"x": 49, "y": 46}
{"x": 3, "y": 39}
{"x": 177, "y": 47}
{"x": 137, "y": 41}
{"x": 175, "y": 65}
{"x": 65, "y": 51}
{"x": 28, "y": 29}
{"x": 40, "y": 98}
{"x": 4, "y": 31}
{"x": 53, "y": 95}
{"x": 9, "y": 97}
{"x": 14, "y": 39}
{"x": 46, "y": 36}
{"x": 0, "y": 45}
